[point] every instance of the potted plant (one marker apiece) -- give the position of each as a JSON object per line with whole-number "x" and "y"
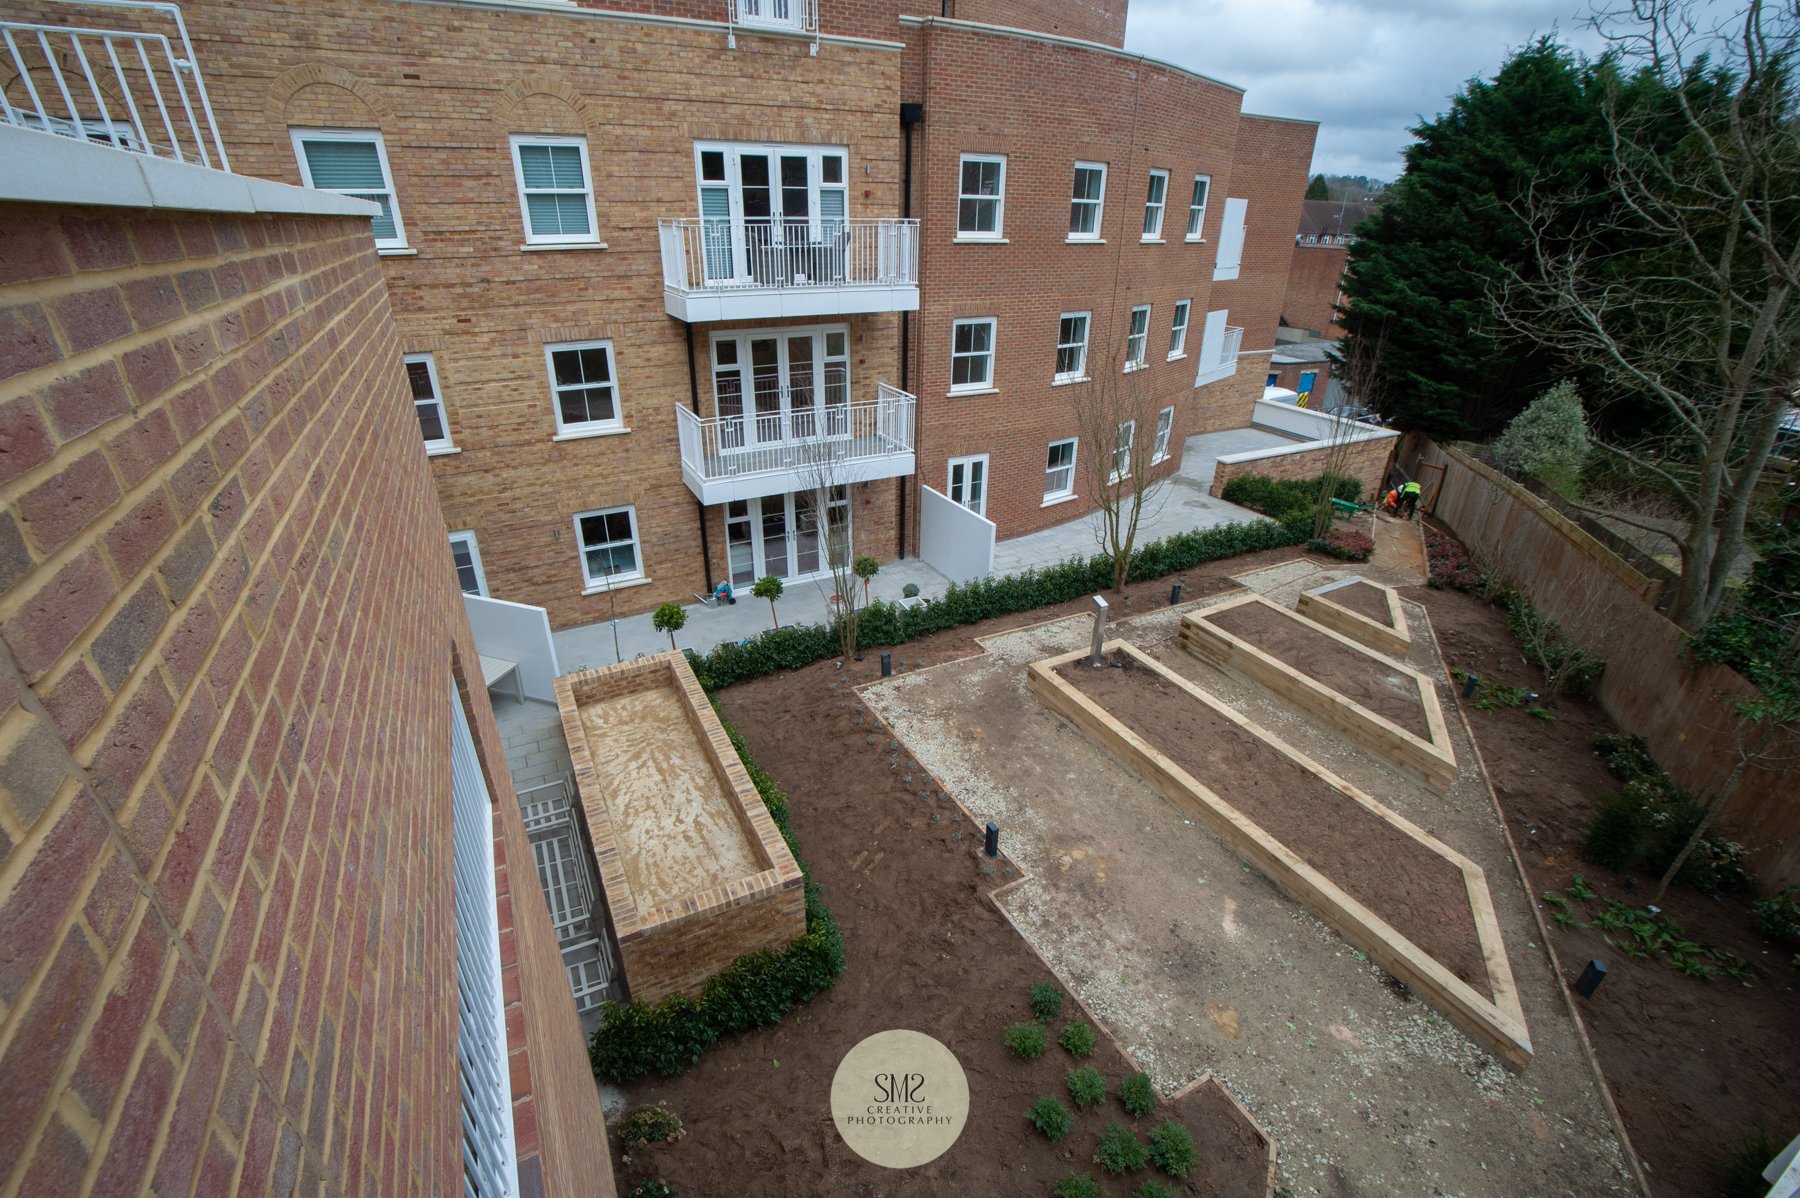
{"x": 669, "y": 618}
{"x": 866, "y": 568}
{"x": 769, "y": 587}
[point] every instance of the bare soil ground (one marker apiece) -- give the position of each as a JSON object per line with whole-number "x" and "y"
{"x": 1693, "y": 1065}
{"x": 1365, "y": 600}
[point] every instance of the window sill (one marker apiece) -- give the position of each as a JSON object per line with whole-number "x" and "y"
{"x": 442, "y": 451}
{"x": 617, "y": 584}
{"x": 1116, "y": 479}
{"x": 955, "y": 394}
{"x": 1055, "y": 500}
{"x": 1180, "y": 357}
{"x": 572, "y": 245}
{"x": 971, "y": 239}
{"x": 584, "y": 434}
{"x": 1134, "y": 367}
{"x": 1151, "y": 241}
{"x": 399, "y": 251}
{"x": 1159, "y": 461}
{"x": 1071, "y": 381}
{"x": 1195, "y": 240}
{"x": 1084, "y": 241}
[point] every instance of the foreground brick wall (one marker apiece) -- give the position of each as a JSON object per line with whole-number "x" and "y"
{"x": 229, "y": 630}
{"x": 1272, "y": 158}
{"x": 1366, "y": 461}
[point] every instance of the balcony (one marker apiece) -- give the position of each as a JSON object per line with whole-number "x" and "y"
{"x": 795, "y": 449}
{"x": 1225, "y": 365}
{"x": 720, "y": 269}
{"x": 787, "y": 16}
{"x": 129, "y": 88}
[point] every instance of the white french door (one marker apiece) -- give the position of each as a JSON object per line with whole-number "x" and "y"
{"x": 776, "y": 386}
{"x": 968, "y": 482}
{"x": 772, "y": 215}
{"x": 781, "y": 535}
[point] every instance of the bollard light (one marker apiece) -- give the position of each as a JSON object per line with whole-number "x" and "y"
{"x": 992, "y": 847}
{"x": 1469, "y": 686}
{"x": 1100, "y": 609}
{"x": 887, "y": 664}
{"x": 1590, "y": 978}
{"x": 1175, "y": 594}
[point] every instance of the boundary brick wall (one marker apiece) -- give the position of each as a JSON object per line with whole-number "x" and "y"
{"x": 227, "y": 635}
{"x": 1366, "y": 461}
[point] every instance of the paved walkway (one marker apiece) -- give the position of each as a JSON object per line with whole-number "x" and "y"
{"x": 1178, "y": 506}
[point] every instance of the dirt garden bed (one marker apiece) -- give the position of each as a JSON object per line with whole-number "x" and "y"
{"x": 1365, "y": 599}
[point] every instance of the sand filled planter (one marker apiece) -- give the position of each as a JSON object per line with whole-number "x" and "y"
{"x": 695, "y": 872}
{"x": 1386, "y": 707}
{"x": 1417, "y": 907}
{"x": 1364, "y": 611}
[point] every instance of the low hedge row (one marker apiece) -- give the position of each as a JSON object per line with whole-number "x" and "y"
{"x": 636, "y": 1038}
{"x": 1278, "y": 497}
{"x": 882, "y": 623}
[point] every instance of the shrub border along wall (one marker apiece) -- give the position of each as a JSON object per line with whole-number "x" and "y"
{"x": 882, "y": 623}
{"x": 636, "y": 1038}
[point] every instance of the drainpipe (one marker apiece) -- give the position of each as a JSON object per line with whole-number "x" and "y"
{"x": 699, "y": 508}
{"x": 910, "y": 115}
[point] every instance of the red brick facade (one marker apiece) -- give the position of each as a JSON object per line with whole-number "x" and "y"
{"x": 1313, "y": 289}
{"x": 228, "y": 634}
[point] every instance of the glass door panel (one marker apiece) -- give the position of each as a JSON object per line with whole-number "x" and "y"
{"x": 765, "y": 382}
{"x": 775, "y": 535}
{"x": 801, "y": 390}
{"x": 806, "y": 533}
{"x": 728, "y": 394}
{"x": 740, "y": 543}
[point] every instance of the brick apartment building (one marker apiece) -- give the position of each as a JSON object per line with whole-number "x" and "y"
{"x": 261, "y": 925}
{"x": 660, "y": 277}
{"x": 1322, "y": 242}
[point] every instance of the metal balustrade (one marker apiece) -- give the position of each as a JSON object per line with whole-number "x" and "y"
{"x": 132, "y": 89}
{"x": 798, "y": 16}
{"x": 823, "y": 266}
{"x": 794, "y": 447}
{"x": 559, "y": 848}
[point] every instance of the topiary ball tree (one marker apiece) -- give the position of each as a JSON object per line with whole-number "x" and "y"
{"x": 669, "y": 617}
{"x": 769, "y": 587}
{"x": 865, "y": 568}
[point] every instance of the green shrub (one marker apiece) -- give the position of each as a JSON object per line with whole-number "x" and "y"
{"x": 1120, "y": 1150}
{"x": 1548, "y": 440}
{"x": 652, "y": 1189}
{"x": 1153, "y": 1189}
{"x": 1077, "y": 1185}
{"x": 1046, "y": 1001}
{"x": 1778, "y": 916}
{"x": 1615, "y": 833}
{"x": 649, "y": 1125}
{"x": 1647, "y": 823}
{"x": 1026, "y": 1040}
{"x": 1172, "y": 1149}
{"x": 1087, "y": 1088}
{"x": 1077, "y": 1038}
{"x": 1346, "y": 544}
{"x": 757, "y": 989}
{"x": 1051, "y": 1118}
{"x": 1138, "y": 1095}
{"x": 1280, "y": 497}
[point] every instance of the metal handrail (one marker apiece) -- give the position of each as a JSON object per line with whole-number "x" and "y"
{"x": 789, "y": 438}
{"x": 67, "y": 72}
{"x": 709, "y": 254}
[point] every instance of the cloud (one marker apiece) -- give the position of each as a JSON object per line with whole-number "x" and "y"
{"x": 1367, "y": 70}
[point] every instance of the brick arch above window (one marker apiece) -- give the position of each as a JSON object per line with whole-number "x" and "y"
{"x": 317, "y": 94}
{"x": 543, "y": 104}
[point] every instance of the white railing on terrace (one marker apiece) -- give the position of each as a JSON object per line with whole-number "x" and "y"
{"x": 800, "y": 16}
{"x": 798, "y": 438}
{"x": 133, "y": 89}
{"x": 703, "y": 254}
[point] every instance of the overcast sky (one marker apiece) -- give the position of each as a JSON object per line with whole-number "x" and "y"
{"x": 1366, "y": 70}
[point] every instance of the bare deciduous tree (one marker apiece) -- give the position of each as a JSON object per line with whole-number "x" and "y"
{"x": 1686, "y": 298}
{"x": 1116, "y": 417}
{"x": 823, "y": 471}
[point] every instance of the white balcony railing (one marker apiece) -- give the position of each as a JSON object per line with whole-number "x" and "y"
{"x": 133, "y": 89}
{"x": 1234, "y": 340}
{"x": 1225, "y": 365}
{"x": 719, "y": 268}
{"x": 799, "y": 16}
{"x": 766, "y": 453}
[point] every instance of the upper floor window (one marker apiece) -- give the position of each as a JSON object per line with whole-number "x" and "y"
{"x": 467, "y": 556}
{"x": 1087, "y": 200}
{"x": 972, "y": 354}
{"x": 1154, "y": 202}
{"x": 775, "y": 14}
{"x": 1121, "y": 457}
{"x": 556, "y": 193}
{"x": 772, "y": 213}
{"x": 1178, "y": 331}
{"x": 1137, "y": 340}
{"x": 1197, "y": 208}
{"x": 585, "y": 387}
{"x": 1071, "y": 347}
{"x": 1165, "y": 424}
{"x": 981, "y": 196}
{"x": 353, "y": 162}
{"x": 428, "y": 401}
{"x": 609, "y": 547}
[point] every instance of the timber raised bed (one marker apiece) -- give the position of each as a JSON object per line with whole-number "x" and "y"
{"x": 1415, "y": 906}
{"x": 1386, "y": 707}
{"x": 1363, "y": 611}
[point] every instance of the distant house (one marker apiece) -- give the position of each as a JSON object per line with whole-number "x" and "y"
{"x": 1321, "y": 246}
{"x": 1305, "y": 369}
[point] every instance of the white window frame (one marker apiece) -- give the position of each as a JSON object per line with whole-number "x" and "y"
{"x": 998, "y": 199}
{"x": 520, "y": 140}
{"x": 467, "y": 537}
{"x": 1165, "y": 425}
{"x": 1196, "y": 227}
{"x": 592, "y": 584}
{"x": 1178, "y": 329}
{"x": 1098, "y": 205}
{"x": 446, "y": 443}
{"x": 1137, "y": 339}
{"x": 968, "y": 463}
{"x": 1059, "y": 494}
{"x": 1079, "y": 374}
{"x": 301, "y": 134}
{"x": 1154, "y": 205}
{"x": 584, "y": 428}
{"x": 987, "y": 381}
{"x": 1121, "y": 454}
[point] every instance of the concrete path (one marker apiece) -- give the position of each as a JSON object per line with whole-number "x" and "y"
{"x": 1399, "y": 557}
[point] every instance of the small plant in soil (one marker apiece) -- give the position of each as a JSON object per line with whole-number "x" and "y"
{"x": 652, "y": 1189}
{"x": 1578, "y": 888}
{"x": 1026, "y": 1040}
{"x": 1137, "y": 1095}
{"x": 1120, "y": 1150}
{"x": 1051, "y": 1118}
{"x": 1087, "y": 1088}
{"x": 1172, "y": 1149}
{"x": 1153, "y": 1189}
{"x": 1639, "y": 934}
{"x": 1077, "y": 1185}
{"x": 1778, "y": 916}
{"x": 1046, "y": 1001}
{"x": 1077, "y": 1038}
{"x": 648, "y": 1125}
{"x": 1539, "y": 714}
